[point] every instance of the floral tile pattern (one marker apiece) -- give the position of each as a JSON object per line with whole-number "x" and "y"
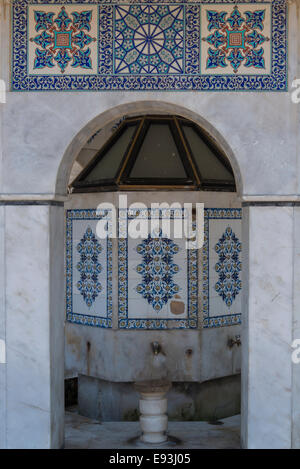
{"x": 221, "y": 283}
{"x": 89, "y": 267}
{"x": 158, "y": 270}
{"x": 149, "y": 45}
{"x": 237, "y": 39}
{"x": 62, "y": 41}
{"x": 228, "y": 266}
{"x": 161, "y": 285}
{"x": 88, "y": 270}
{"x": 167, "y": 296}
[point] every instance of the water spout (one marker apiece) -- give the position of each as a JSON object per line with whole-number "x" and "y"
{"x": 157, "y": 362}
{"x": 156, "y": 347}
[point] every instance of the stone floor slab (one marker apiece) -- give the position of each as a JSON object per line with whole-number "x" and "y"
{"x": 84, "y": 433}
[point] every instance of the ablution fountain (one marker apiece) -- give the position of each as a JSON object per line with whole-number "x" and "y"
{"x": 153, "y": 402}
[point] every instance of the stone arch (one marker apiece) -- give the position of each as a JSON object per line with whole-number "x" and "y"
{"x": 138, "y": 108}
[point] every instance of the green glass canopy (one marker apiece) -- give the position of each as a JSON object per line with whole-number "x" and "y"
{"x": 157, "y": 152}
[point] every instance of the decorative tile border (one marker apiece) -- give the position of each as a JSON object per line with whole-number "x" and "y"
{"x": 228, "y": 319}
{"x": 105, "y": 320}
{"x": 125, "y": 322}
{"x": 88, "y": 45}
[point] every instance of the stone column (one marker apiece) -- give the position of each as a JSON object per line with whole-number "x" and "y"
{"x": 34, "y": 292}
{"x": 2, "y": 334}
{"x": 4, "y": 73}
{"x": 296, "y": 334}
{"x": 268, "y": 237}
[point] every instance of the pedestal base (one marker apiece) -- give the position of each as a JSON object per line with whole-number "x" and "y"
{"x": 153, "y": 408}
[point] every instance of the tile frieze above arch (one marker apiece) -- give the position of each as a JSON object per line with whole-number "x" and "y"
{"x": 149, "y": 45}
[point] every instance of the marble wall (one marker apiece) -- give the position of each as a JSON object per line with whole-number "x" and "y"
{"x": 267, "y": 333}
{"x": 2, "y": 332}
{"x": 295, "y": 388}
{"x": 34, "y": 326}
{"x": 41, "y": 135}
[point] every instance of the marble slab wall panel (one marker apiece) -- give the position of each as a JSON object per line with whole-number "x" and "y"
{"x": 2, "y": 332}
{"x": 157, "y": 45}
{"x": 29, "y": 407}
{"x": 88, "y": 270}
{"x": 267, "y": 376}
{"x": 296, "y": 331}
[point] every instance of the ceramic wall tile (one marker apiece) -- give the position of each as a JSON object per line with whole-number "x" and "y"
{"x": 157, "y": 45}
{"x": 222, "y": 267}
{"x": 88, "y": 270}
{"x": 158, "y": 279}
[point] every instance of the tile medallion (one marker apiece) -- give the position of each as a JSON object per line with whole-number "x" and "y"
{"x": 221, "y": 267}
{"x": 158, "y": 279}
{"x": 149, "y": 45}
{"x": 88, "y": 270}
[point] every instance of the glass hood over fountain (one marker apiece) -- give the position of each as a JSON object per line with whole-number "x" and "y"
{"x": 157, "y": 152}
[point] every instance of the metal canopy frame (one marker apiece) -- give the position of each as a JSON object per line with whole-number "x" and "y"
{"x": 122, "y": 179}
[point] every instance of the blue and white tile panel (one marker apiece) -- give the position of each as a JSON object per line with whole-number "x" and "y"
{"x": 158, "y": 279}
{"x": 91, "y": 45}
{"x": 88, "y": 270}
{"x": 222, "y": 268}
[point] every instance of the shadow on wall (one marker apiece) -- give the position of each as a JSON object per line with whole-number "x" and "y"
{"x": 209, "y": 401}
{"x": 71, "y": 392}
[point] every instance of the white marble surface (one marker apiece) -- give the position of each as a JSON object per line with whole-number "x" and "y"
{"x": 84, "y": 433}
{"x": 57, "y": 332}
{"x": 296, "y": 332}
{"x": 245, "y": 334}
{"x": 295, "y": 25}
{"x": 2, "y": 330}
{"x": 209, "y": 199}
{"x": 267, "y": 373}
{"x": 43, "y": 132}
{"x": 2, "y": 406}
{"x": 3, "y": 65}
{"x": 51, "y": 121}
{"x": 216, "y": 358}
{"x": 114, "y": 356}
{"x": 34, "y": 330}
{"x": 41, "y": 135}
